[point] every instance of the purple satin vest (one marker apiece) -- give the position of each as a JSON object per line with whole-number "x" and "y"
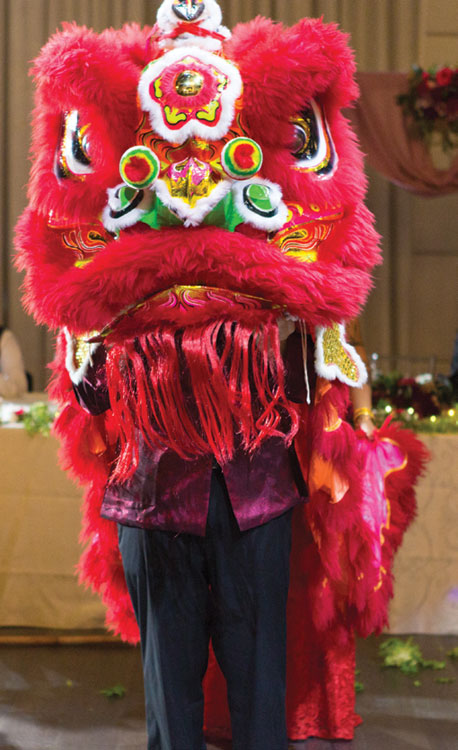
{"x": 167, "y": 492}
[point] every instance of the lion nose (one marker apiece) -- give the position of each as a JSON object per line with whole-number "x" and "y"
{"x": 188, "y": 10}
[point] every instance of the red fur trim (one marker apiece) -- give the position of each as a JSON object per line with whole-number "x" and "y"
{"x": 346, "y": 586}
{"x": 140, "y": 264}
{"x": 400, "y": 492}
{"x": 339, "y": 567}
{"x": 313, "y": 57}
{"x": 100, "y": 566}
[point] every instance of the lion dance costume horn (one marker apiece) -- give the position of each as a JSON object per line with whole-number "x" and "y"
{"x": 189, "y": 188}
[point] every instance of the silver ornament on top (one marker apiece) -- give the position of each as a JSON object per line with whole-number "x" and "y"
{"x": 200, "y": 15}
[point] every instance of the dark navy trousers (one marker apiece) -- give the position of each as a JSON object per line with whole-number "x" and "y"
{"x": 230, "y": 586}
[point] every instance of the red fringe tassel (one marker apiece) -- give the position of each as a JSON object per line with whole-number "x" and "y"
{"x": 203, "y": 390}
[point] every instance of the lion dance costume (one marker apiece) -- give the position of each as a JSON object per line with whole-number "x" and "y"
{"x": 189, "y": 188}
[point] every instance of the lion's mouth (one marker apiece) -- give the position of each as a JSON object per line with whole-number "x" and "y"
{"x": 147, "y": 277}
{"x": 180, "y": 301}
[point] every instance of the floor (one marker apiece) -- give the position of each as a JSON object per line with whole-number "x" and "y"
{"x": 50, "y": 699}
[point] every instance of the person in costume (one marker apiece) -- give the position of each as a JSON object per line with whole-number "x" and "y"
{"x": 182, "y": 212}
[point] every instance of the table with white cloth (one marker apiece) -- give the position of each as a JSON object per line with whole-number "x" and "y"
{"x": 39, "y": 549}
{"x": 40, "y": 510}
{"x": 426, "y": 567}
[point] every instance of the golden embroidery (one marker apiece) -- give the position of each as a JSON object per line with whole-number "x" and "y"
{"x": 335, "y": 353}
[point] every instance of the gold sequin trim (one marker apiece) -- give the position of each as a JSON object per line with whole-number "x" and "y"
{"x": 335, "y": 353}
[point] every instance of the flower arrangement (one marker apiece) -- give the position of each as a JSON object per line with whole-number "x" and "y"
{"x": 37, "y": 419}
{"x": 431, "y": 104}
{"x": 424, "y": 403}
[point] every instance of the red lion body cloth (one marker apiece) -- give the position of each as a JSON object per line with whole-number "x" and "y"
{"x": 190, "y": 188}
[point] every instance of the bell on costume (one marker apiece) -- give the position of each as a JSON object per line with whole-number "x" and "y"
{"x": 191, "y": 22}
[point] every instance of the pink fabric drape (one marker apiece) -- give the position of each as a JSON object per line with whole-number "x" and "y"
{"x": 384, "y": 138}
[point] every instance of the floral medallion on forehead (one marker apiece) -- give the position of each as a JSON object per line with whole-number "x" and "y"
{"x": 190, "y": 92}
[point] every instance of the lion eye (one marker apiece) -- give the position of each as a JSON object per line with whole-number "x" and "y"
{"x": 300, "y": 140}
{"x": 312, "y": 145}
{"x": 73, "y": 158}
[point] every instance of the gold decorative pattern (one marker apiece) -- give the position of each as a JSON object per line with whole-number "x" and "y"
{"x": 190, "y": 180}
{"x": 306, "y": 230}
{"x": 335, "y": 353}
{"x": 185, "y": 297}
{"x": 82, "y": 350}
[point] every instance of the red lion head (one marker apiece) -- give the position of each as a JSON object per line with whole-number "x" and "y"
{"x": 186, "y": 180}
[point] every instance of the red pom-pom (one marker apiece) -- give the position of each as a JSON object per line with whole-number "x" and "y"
{"x": 244, "y": 156}
{"x": 137, "y": 169}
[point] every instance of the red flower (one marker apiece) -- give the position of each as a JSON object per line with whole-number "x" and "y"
{"x": 424, "y": 86}
{"x": 406, "y": 381}
{"x": 19, "y": 413}
{"x": 444, "y": 76}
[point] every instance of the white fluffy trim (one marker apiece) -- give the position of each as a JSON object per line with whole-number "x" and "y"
{"x": 267, "y": 223}
{"x": 333, "y": 371}
{"x": 114, "y": 224}
{"x": 76, "y": 373}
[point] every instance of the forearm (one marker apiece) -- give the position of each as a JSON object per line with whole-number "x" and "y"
{"x": 361, "y": 399}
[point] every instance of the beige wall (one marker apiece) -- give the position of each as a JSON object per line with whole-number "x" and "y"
{"x": 434, "y": 289}
{"x": 412, "y": 311}
{"x": 438, "y": 32}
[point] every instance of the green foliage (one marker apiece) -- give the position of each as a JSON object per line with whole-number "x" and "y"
{"x": 359, "y": 687}
{"x": 117, "y": 691}
{"x": 423, "y": 404}
{"x": 433, "y": 664}
{"x": 405, "y": 655}
{"x": 38, "y": 419}
{"x": 440, "y": 425}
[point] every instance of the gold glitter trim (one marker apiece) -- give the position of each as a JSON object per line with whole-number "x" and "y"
{"x": 334, "y": 353}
